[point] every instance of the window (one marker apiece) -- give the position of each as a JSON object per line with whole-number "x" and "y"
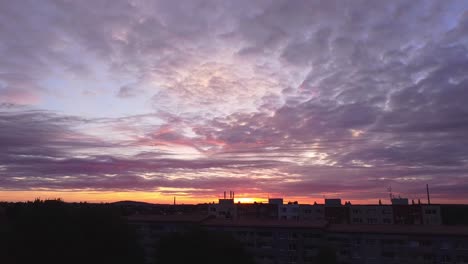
{"x": 445, "y": 245}
{"x": 292, "y": 247}
{"x": 446, "y": 259}
{"x": 292, "y": 259}
{"x": 292, "y": 236}
{"x": 389, "y": 255}
{"x": 462, "y": 259}
{"x": 242, "y": 233}
{"x": 425, "y": 243}
{"x": 387, "y": 221}
{"x": 428, "y": 258}
{"x": 413, "y": 243}
{"x": 264, "y": 234}
{"x": 311, "y": 235}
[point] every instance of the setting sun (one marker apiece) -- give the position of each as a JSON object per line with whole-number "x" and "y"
{"x": 247, "y": 200}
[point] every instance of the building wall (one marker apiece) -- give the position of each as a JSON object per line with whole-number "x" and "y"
{"x": 337, "y": 214}
{"x": 288, "y": 212}
{"x": 333, "y": 213}
{"x": 225, "y": 208}
{"x": 277, "y": 245}
{"x": 257, "y": 211}
{"x": 371, "y": 214}
{"x": 357, "y": 248}
{"x": 431, "y": 214}
{"x": 312, "y": 213}
{"x": 407, "y": 214}
{"x": 285, "y": 243}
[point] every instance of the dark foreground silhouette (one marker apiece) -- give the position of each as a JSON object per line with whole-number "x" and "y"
{"x": 56, "y": 232}
{"x": 200, "y": 246}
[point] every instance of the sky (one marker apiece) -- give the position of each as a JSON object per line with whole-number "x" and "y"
{"x": 109, "y": 100}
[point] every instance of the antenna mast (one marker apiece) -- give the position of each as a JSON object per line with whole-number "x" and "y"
{"x": 390, "y": 194}
{"x": 428, "y": 197}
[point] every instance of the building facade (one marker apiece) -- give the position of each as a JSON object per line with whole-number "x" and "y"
{"x": 302, "y": 242}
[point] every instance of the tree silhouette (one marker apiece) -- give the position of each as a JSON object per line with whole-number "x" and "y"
{"x": 57, "y": 232}
{"x": 326, "y": 255}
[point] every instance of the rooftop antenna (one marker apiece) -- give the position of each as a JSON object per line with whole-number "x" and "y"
{"x": 428, "y": 197}
{"x": 390, "y": 194}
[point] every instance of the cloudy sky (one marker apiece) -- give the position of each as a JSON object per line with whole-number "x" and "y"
{"x": 145, "y": 100}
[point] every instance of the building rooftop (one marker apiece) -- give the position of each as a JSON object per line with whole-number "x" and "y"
{"x": 400, "y": 229}
{"x": 168, "y": 218}
{"x": 263, "y": 223}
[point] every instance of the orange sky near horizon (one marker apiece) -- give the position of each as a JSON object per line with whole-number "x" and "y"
{"x": 155, "y": 197}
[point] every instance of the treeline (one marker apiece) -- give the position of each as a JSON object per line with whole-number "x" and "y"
{"x": 53, "y": 231}
{"x": 56, "y": 232}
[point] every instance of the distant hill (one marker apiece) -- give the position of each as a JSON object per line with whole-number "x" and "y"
{"x": 131, "y": 203}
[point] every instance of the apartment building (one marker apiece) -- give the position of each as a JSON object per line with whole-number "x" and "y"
{"x": 225, "y": 208}
{"x": 289, "y": 211}
{"x": 312, "y": 212}
{"x": 332, "y": 211}
{"x": 301, "y": 242}
{"x": 431, "y": 214}
{"x": 371, "y": 214}
{"x": 150, "y": 228}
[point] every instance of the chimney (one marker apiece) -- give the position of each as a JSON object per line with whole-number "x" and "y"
{"x": 224, "y": 194}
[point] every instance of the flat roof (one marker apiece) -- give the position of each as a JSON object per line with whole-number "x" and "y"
{"x": 168, "y": 218}
{"x": 263, "y": 223}
{"x": 400, "y": 229}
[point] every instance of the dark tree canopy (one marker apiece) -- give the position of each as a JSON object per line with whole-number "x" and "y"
{"x": 57, "y": 232}
{"x": 201, "y": 246}
{"x": 326, "y": 255}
